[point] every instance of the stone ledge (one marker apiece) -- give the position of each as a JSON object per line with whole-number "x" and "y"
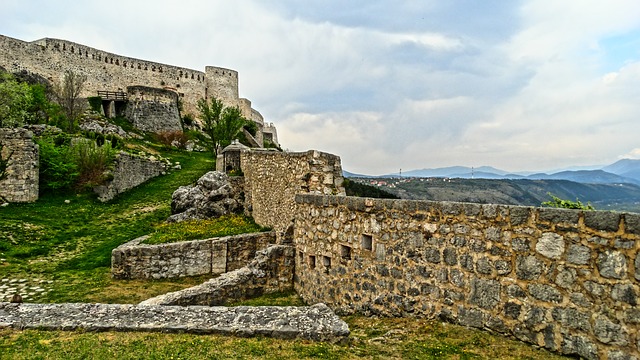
{"x": 317, "y": 322}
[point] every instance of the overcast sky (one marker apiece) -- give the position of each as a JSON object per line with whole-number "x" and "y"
{"x": 518, "y": 85}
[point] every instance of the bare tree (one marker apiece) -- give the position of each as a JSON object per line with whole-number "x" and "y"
{"x": 68, "y": 96}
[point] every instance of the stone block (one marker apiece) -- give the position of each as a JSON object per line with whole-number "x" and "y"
{"x": 625, "y": 293}
{"x": 485, "y": 293}
{"x": 550, "y": 245}
{"x": 579, "y": 345}
{"x": 578, "y": 254}
{"x": 612, "y": 264}
{"x": 609, "y": 332}
{"x": 519, "y": 215}
{"x": 632, "y": 223}
{"x": 529, "y": 267}
{"x": 572, "y": 318}
{"x": 557, "y": 216}
{"x": 545, "y": 293}
{"x": 602, "y": 220}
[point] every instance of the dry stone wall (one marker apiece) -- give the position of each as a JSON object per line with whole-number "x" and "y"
{"x": 271, "y": 270}
{"x": 565, "y": 280}
{"x": 214, "y": 256}
{"x": 129, "y": 171}
{"x": 272, "y": 180}
{"x": 19, "y": 166}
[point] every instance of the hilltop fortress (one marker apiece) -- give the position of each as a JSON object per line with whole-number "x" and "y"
{"x": 113, "y": 74}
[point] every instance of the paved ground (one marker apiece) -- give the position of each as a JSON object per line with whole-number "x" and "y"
{"x": 29, "y": 289}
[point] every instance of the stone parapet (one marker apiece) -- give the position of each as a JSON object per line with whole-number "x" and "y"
{"x": 316, "y": 323}
{"x": 566, "y": 280}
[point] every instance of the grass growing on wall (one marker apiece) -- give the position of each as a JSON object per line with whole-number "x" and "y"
{"x": 226, "y": 225}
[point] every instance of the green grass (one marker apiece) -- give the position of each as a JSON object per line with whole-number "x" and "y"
{"x": 395, "y": 339}
{"x": 70, "y": 243}
{"x": 226, "y": 225}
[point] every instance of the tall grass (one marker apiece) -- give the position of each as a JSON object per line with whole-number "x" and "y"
{"x": 92, "y": 161}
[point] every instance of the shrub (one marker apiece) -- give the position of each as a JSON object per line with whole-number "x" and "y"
{"x": 57, "y": 172}
{"x": 95, "y": 102}
{"x": 92, "y": 161}
{"x": 172, "y": 139}
{"x": 556, "y": 202}
{"x": 188, "y": 119}
{"x": 251, "y": 127}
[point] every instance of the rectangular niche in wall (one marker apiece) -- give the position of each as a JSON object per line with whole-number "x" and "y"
{"x": 367, "y": 242}
{"x": 312, "y": 261}
{"x": 345, "y": 252}
{"x": 326, "y": 261}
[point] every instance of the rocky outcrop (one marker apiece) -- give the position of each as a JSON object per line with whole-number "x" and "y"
{"x": 212, "y": 196}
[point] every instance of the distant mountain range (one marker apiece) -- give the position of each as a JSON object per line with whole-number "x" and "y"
{"x": 626, "y": 171}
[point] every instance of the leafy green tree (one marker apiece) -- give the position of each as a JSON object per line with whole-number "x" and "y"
{"x": 16, "y": 101}
{"x": 222, "y": 124}
{"x": 210, "y": 115}
{"x": 231, "y": 122}
{"x": 557, "y": 202}
{"x": 68, "y": 96}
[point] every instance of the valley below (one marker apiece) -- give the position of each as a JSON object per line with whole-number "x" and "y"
{"x": 615, "y": 197}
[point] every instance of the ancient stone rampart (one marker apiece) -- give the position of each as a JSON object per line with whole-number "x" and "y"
{"x": 272, "y": 179}
{"x": 566, "y": 280}
{"x": 19, "y": 166}
{"x": 152, "y": 109}
{"x": 214, "y": 256}
{"x": 271, "y": 270}
{"x": 129, "y": 171}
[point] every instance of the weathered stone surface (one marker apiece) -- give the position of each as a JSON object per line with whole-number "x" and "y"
{"x": 579, "y": 345}
{"x": 572, "y": 318}
{"x": 317, "y": 322}
{"x": 566, "y": 277}
{"x": 550, "y": 245}
{"x": 545, "y": 293}
{"x": 624, "y": 292}
{"x": 602, "y": 220}
{"x": 485, "y": 293}
{"x": 212, "y": 196}
{"x": 609, "y": 332}
{"x": 637, "y": 263}
{"x": 529, "y": 267}
{"x": 612, "y": 264}
{"x": 578, "y": 254}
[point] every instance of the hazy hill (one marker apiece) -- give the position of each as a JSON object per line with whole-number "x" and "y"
{"x": 620, "y": 172}
{"x": 622, "y": 197}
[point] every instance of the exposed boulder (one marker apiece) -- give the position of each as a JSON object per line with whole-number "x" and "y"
{"x": 99, "y": 126}
{"x": 212, "y": 196}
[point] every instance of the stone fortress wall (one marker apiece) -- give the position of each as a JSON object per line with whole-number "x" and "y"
{"x": 19, "y": 166}
{"x": 106, "y": 71}
{"x": 272, "y": 179}
{"x": 566, "y": 280}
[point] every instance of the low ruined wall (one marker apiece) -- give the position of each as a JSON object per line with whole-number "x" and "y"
{"x": 271, "y": 270}
{"x": 565, "y": 280}
{"x": 273, "y": 178}
{"x": 19, "y": 166}
{"x": 129, "y": 171}
{"x": 214, "y": 256}
{"x": 316, "y": 323}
